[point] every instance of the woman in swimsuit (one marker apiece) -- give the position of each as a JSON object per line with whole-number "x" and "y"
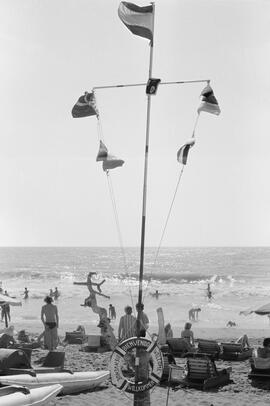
{"x": 49, "y": 317}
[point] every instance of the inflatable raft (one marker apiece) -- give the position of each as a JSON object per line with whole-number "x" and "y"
{"x": 70, "y": 382}
{"x": 21, "y": 396}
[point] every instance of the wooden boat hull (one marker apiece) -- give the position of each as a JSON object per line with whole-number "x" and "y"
{"x": 71, "y": 382}
{"x": 20, "y": 396}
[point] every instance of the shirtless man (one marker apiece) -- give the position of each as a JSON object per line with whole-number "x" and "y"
{"x": 50, "y": 319}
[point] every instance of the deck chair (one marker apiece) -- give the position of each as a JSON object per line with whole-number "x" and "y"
{"x": 203, "y": 374}
{"x": 178, "y": 347}
{"x": 235, "y": 352}
{"x": 260, "y": 367}
{"x": 53, "y": 362}
{"x": 209, "y": 347}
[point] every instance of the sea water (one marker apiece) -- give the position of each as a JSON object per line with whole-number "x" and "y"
{"x": 239, "y": 280}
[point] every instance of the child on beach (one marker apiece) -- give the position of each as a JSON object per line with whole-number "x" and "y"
{"x": 187, "y": 334}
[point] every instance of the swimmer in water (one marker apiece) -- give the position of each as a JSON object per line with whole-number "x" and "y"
{"x": 209, "y": 293}
{"x": 26, "y": 292}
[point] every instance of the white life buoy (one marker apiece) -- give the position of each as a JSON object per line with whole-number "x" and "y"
{"x": 117, "y": 361}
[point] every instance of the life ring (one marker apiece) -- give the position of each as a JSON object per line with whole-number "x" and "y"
{"x": 117, "y": 361}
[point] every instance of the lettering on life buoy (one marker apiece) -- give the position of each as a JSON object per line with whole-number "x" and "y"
{"x": 118, "y": 360}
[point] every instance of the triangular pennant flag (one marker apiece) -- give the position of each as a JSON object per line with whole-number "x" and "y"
{"x": 139, "y": 20}
{"x": 85, "y": 106}
{"x": 112, "y": 162}
{"x": 152, "y": 86}
{"x": 102, "y": 152}
{"x": 182, "y": 153}
{"x": 209, "y": 103}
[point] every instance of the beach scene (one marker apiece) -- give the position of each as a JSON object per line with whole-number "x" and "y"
{"x": 134, "y": 213}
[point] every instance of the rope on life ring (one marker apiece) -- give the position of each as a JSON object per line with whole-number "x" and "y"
{"x": 117, "y": 361}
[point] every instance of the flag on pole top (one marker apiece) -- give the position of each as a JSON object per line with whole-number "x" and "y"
{"x": 85, "y": 106}
{"x": 152, "y": 86}
{"x": 209, "y": 103}
{"x": 182, "y": 153}
{"x": 102, "y": 152}
{"x": 139, "y": 20}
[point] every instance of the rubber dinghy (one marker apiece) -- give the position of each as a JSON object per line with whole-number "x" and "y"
{"x": 21, "y": 396}
{"x": 70, "y": 382}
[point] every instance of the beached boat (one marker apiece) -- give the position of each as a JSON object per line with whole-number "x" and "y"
{"x": 22, "y": 396}
{"x": 70, "y": 382}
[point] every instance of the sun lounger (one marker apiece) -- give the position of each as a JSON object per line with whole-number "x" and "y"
{"x": 209, "y": 347}
{"x": 178, "y": 347}
{"x": 235, "y": 352}
{"x": 201, "y": 373}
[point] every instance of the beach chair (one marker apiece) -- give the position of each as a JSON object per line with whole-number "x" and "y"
{"x": 178, "y": 347}
{"x": 201, "y": 373}
{"x": 168, "y": 360}
{"x": 17, "y": 362}
{"x": 53, "y": 362}
{"x": 235, "y": 352}
{"x": 260, "y": 368}
{"x": 209, "y": 347}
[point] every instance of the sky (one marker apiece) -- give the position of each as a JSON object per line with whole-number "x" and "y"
{"x": 54, "y": 193}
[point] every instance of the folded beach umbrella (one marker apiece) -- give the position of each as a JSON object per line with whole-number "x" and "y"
{"x": 263, "y": 310}
{"x": 4, "y": 299}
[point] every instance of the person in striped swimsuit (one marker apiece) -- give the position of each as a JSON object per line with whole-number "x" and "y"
{"x": 127, "y": 325}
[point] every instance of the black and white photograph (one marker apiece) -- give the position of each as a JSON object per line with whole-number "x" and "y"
{"x": 134, "y": 209}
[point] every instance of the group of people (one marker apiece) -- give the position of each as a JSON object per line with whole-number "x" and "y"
{"x": 54, "y": 294}
{"x": 129, "y": 326}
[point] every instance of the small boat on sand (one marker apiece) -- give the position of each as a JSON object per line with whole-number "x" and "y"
{"x": 22, "y": 396}
{"x": 70, "y": 382}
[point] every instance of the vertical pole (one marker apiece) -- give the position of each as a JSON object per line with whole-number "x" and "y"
{"x": 145, "y": 174}
{"x": 142, "y": 358}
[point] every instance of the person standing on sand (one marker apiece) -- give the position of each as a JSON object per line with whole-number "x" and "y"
{"x": 127, "y": 325}
{"x": 144, "y": 321}
{"x": 187, "y": 334}
{"x": 49, "y": 317}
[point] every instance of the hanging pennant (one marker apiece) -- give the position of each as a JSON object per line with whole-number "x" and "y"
{"x": 182, "y": 153}
{"x": 209, "y": 103}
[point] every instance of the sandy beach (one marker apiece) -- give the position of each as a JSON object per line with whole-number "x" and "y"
{"x": 240, "y": 392}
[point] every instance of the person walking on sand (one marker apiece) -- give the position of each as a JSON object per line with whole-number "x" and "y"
{"x": 112, "y": 312}
{"x": 49, "y": 317}
{"x": 127, "y": 325}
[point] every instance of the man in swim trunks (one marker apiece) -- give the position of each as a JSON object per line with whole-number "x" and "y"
{"x": 49, "y": 317}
